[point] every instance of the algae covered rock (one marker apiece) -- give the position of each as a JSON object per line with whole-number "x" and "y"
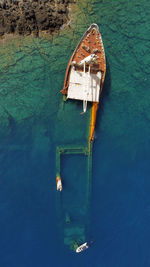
{"x": 5, "y": 122}
{"x": 27, "y": 89}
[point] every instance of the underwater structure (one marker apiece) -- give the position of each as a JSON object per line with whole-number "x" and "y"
{"x": 83, "y": 84}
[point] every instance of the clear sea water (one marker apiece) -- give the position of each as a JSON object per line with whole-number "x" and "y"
{"x": 31, "y": 76}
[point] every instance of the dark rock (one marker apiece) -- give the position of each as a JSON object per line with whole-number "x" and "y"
{"x": 26, "y": 16}
{"x": 1, "y": 32}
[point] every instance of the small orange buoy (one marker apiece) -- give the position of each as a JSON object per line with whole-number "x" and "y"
{"x": 59, "y": 183}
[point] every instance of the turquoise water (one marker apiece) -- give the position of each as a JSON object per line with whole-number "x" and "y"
{"x": 32, "y": 124}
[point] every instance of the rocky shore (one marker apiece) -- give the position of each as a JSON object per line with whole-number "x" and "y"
{"x": 25, "y": 17}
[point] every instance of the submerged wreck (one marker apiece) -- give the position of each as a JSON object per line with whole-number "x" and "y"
{"x": 84, "y": 80}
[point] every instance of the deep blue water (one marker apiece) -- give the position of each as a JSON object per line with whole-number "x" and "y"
{"x": 31, "y": 125}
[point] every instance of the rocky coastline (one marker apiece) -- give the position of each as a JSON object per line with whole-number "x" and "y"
{"x": 25, "y": 17}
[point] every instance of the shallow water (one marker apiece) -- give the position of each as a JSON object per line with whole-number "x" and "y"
{"x": 32, "y": 73}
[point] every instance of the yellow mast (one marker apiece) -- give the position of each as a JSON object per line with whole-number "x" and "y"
{"x": 93, "y": 121}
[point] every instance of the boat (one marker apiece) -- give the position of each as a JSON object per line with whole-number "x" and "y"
{"x": 82, "y": 247}
{"x": 83, "y": 82}
{"x": 85, "y": 73}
